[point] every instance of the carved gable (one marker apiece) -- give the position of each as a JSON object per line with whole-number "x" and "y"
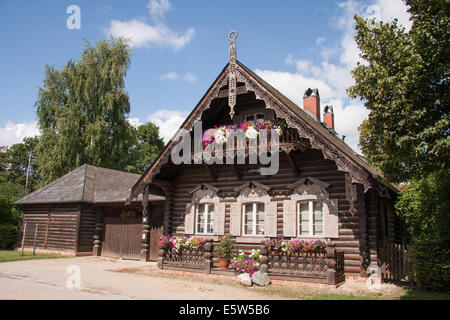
{"x": 310, "y": 186}
{"x": 252, "y": 189}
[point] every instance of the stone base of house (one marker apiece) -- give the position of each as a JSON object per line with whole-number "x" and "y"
{"x": 218, "y": 274}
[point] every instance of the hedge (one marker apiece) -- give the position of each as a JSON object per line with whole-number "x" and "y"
{"x": 8, "y": 236}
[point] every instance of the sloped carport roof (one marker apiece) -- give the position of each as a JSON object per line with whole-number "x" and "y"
{"x": 89, "y": 184}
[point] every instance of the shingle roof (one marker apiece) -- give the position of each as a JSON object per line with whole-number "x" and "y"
{"x": 87, "y": 184}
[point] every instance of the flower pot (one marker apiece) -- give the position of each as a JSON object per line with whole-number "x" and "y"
{"x": 224, "y": 263}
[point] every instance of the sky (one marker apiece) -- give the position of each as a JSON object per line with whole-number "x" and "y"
{"x": 180, "y": 47}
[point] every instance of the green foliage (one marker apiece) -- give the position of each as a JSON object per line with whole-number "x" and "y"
{"x": 147, "y": 148}
{"x": 224, "y": 248}
{"x": 405, "y": 85}
{"x": 17, "y": 159}
{"x": 425, "y": 206}
{"x": 82, "y": 112}
{"x": 8, "y": 236}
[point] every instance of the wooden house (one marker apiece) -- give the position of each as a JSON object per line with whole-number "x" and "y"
{"x": 322, "y": 189}
{"x": 84, "y": 213}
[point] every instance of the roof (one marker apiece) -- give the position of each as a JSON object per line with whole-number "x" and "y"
{"x": 89, "y": 184}
{"x": 350, "y": 157}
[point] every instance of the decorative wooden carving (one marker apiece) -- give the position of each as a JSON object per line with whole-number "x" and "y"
{"x": 310, "y": 189}
{"x": 305, "y": 130}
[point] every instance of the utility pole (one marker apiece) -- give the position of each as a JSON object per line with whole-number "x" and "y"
{"x": 28, "y": 171}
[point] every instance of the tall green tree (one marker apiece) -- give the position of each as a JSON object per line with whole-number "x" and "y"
{"x": 147, "y": 148}
{"x": 405, "y": 86}
{"x": 18, "y": 156}
{"x": 82, "y": 110}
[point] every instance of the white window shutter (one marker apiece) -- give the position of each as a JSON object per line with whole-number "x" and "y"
{"x": 331, "y": 219}
{"x": 289, "y": 218}
{"x": 235, "y": 218}
{"x": 219, "y": 218}
{"x": 189, "y": 219}
{"x": 270, "y": 219}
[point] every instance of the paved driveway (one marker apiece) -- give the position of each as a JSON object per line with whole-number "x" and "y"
{"x": 48, "y": 279}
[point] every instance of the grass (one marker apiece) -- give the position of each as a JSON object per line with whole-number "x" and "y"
{"x": 12, "y": 255}
{"x": 414, "y": 294}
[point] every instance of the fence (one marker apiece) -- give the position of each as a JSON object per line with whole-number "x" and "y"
{"x": 396, "y": 263}
{"x": 325, "y": 268}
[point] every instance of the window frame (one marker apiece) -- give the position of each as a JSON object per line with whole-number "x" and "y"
{"x": 254, "y": 116}
{"x": 207, "y": 205}
{"x": 311, "y": 231}
{"x": 254, "y": 223}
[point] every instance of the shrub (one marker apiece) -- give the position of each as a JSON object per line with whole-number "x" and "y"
{"x": 425, "y": 206}
{"x": 8, "y": 236}
{"x": 224, "y": 248}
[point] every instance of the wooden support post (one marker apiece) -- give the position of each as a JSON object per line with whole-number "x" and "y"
{"x": 99, "y": 226}
{"x": 293, "y": 165}
{"x": 145, "y": 242}
{"x": 236, "y": 172}
{"x": 211, "y": 172}
{"x": 208, "y": 255}
{"x": 46, "y": 227}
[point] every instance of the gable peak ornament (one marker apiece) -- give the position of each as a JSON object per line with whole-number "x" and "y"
{"x": 232, "y": 35}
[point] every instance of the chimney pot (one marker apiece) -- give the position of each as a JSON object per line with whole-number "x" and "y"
{"x": 311, "y": 102}
{"x": 328, "y": 117}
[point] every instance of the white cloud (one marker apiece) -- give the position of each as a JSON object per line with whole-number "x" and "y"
{"x": 390, "y": 9}
{"x": 15, "y": 132}
{"x": 169, "y": 76}
{"x": 168, "y": 121}
{"x": 332, "y": 79}
{"x": 141, "y": 34}
{"x": 158, "y": 9}
{"x": 135, "y": 122}
{"x": 189, "y": 77}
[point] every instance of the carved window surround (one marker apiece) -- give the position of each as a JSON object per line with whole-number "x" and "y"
{"x": 251, "y": 192}
{"x": 205, "y": 193}
{"x": 304, "y": 190}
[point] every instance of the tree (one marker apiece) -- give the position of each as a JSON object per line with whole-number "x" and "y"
{"x": 405, "y": 86}
{"x": 17, "y": 158}
{"x": 425, "y": 208}
{"x": 147, "y": 148}
{"x": 82, "y": 111}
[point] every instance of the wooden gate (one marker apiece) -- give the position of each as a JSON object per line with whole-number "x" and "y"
{"x": 122, "y": 238}
{"x": 155, "y": 235}
{"x": 396, "y": 263}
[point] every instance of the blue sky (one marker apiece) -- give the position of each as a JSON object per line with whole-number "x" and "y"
{"x": 179, "y": 48}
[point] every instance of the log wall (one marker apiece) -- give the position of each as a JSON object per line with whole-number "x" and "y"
{"x": 310, "y": 164}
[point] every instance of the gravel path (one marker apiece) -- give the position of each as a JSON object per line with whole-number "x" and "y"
{"x": 47, "y": 279}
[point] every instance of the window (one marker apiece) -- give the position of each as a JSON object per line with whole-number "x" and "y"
{"x": 254, "y": 219}
{"x": 205, "y": 218}
{"x": 310, "y": 218}
{"x": 255, "y": 117}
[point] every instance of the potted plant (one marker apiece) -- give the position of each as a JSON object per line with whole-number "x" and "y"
{"x": 224, "y": 250}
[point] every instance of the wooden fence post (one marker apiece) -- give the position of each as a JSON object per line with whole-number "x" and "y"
{"x": 331, "y": 264}
{"x": 23, "y": 239}
{"x": 208, "y": 255}
{"x": 35, "y": 235}
{"x": 264, "y": 260}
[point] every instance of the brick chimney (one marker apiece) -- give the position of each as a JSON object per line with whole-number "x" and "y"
{"x": 328, "y": 117}
{"x": 311, "y": 102}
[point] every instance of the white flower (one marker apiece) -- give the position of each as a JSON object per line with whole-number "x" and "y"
{"x": 251, "y": 133}
{"x": 278, "y": 130}
{"x": 221, "y": 136}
